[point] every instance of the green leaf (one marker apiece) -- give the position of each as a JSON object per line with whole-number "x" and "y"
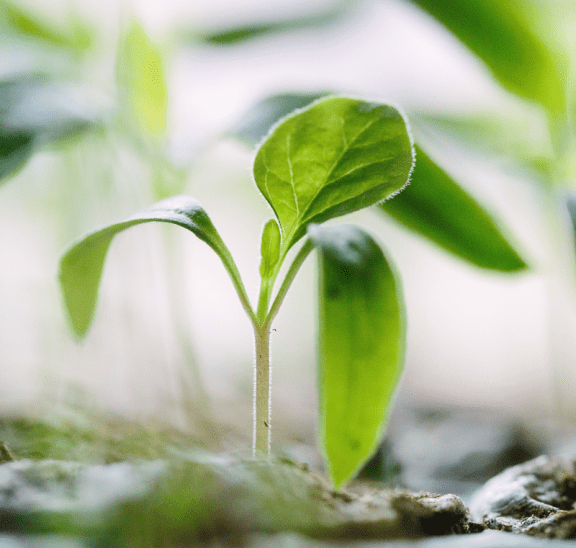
{"x": 269, "y": 248}
{"x": 34, "y": 112}
{"x": 362, "y": 338}
{"x": 524, "y": 141}
{"x": 78, "y": 37}
{"x": 15, "y": 149}
{"x": 570, "y": 203}
{"x": 256, "y": 123}
{"x": 499, "y": 33}
{"x": 82, "y": 264}
{"x": 337, "y": 156}
{"x": 434, "y": 206}
{"x": 334, "y": 12}
{"x": 141, "y": 75}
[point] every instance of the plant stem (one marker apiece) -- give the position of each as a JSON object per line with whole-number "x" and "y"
{"x": 261, "y": 325}
{"x": 262, "y": 391}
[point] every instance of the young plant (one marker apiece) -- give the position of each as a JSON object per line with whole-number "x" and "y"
{"x": 336, "y": 156}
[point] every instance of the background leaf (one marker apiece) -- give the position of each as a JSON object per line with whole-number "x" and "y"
{"x": 141, "y": 75}
{"x": 256, "y": 123}
{"x": 522, "y": 142}
{"x": 362, "y": 339}
{"x": 33, "y": 112}
{"x": 434, "y": 206}
{"x": 336, "y": 156}
{"x": 81, "y": 266}
{"x": 498, "y": 33}
{"x": 570, "y": 202}
{"x": 77, "y": 37}
{"x": 15, "y": 149}
{"x": 333, "y": 13}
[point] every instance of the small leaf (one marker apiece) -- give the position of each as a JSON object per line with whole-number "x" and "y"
{"x": 140, "y": 72}
{"x": 334, "y": 157}
{"x": 436, "y": 207}
{"x": 82, "y": 264}
{"x": 498, "y": 32}
{"x": 362, "y": 339}
{"x": 269, "y": 248}
{"x": 256, "y": 123}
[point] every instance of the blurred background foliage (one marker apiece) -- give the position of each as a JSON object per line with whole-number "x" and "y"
{"x": 106, "y": 107}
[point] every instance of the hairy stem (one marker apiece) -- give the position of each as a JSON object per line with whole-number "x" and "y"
{"x": 262, "y": 324}
{"x": 262, "y": 392}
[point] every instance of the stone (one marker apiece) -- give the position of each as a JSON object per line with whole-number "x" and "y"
{"x": 535, "y": 498}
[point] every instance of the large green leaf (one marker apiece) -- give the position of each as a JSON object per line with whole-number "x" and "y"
{"x": 141, "y": 77}
{"x": 334, "y": 157}
{"x": 82, "y": 264}
{"x": 361, "y": 353}
{"x": 499, "y": 33}
{"x": 436, "y": 207}
{"x": 34, "y": 112}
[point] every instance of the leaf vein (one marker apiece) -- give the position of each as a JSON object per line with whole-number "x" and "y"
{"x": 345, "y": 149}
{"x": 327, "y": 185}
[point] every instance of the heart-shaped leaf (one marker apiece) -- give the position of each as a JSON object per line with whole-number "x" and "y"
{"x": 81, "y": 266}
{"x": 434, "y": 206}
{"x": 334, "y": 157}
{"x": 362, "y": 338}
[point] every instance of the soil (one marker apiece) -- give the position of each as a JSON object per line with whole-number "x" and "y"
{"x": 119, "y": 486}
{"x": 207, "y": 497}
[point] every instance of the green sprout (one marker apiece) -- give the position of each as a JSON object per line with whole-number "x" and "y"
{"x": 334, "y": 157}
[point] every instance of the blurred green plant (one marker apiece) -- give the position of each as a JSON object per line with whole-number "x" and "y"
{"x": 18, "y": 22}
{"x": 337, "y": 156}
{"x": 34, "y": 112}
{"x": 529, "y": 49}
{"x": 140, "y": 76}
{"x": 332, "y": 13}
{"x": 501, "y": 34}
{"x": 38, "y": 105}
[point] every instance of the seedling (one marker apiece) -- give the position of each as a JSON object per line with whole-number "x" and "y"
{"x": 337, "y": 156}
